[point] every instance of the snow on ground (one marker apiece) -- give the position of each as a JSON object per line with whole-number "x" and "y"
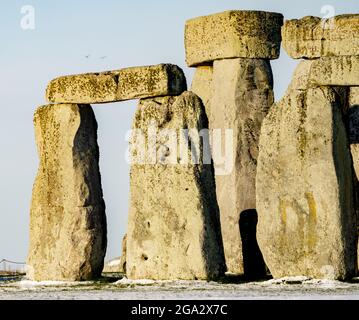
{"x": 124, "y": 289}
{"x": 114, "y": 263}
{"x": 27, "y": 284}
{"x": 125, "y": 281}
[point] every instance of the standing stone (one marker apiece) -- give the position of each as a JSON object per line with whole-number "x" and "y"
{"x": 353, "y": 117}
{"x": 313, "y": 37}
{"x": 300, "y": 79}
{"x": 233, "y": 34}
{"x": 118, "y": 85}
{"x": 231, "y": 51}
{"x": 174, "y": 228}
{"x": 304, "y": 187}
{"x": 354, "y": 126}
{"x": 67, "y": 221}
{"x": 242, "y": 96}
{"x": 202, "y": 86}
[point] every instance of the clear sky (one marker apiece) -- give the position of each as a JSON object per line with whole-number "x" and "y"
{"x": 127, "y": 33}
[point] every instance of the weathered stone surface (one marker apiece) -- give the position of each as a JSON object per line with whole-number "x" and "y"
{"x": 304, "y": 188}
{"x": 354, "y": 97}
{"x": 202, "y": 85}
{"x": 354, "y": 126}
{"x": 151, "y": 81}
{"x": 353, "y": 116}
{"x": 174, "y": 227}
{"x": 312, "y": 37}
{"x": 118, "y": 85}
{"x": 300, "y": 78}
{"x": 335, "y": 71}
{"x": 242, "y": 96}
{"x": 233, "y": 34}
{"x": 67, "y": 222}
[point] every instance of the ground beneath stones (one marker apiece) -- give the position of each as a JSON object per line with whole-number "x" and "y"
{"x": 112, "y": 287}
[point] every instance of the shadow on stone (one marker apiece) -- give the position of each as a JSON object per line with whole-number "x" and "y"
{"x": 353, "y": 122}
{"x": 253, "y": 262}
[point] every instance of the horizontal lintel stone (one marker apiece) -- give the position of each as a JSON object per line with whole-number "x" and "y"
{"x": 233, "y": 34}
{"x": 118, "y": 85}
{"x": 313, "y": 37}
{"x": 334, "y": 71}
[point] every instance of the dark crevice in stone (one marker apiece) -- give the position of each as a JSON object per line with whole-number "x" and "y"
{"x": 253, "y": 262}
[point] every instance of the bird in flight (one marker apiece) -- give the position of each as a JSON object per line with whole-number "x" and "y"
{"x": 88, "y": 56}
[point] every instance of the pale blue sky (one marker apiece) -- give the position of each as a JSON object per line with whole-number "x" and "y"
{"x": 129, "y": 33}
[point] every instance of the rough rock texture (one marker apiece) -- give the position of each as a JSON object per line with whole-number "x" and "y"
{"x": 335, "y": 71}
{"x": 202, "y": 85}
{"x": 118, "y": 85}
{"x": 233, "y": 34}
{"x": 300, "y": 79}
{"x": 312, "y": 37}
{"x": 304, "y": 187}
{"x": 174, "y": 228}
{"x": 123, "y": 254}
{"x": 242, "y": 96}
{"x": 354, "y": 126}
{"x": 67, "y": 222}
{"x": 353, "y": 117}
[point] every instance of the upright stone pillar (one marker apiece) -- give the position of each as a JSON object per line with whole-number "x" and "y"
{"x": 353, "y": 117}
{"x": 231, "y": 51}
{"x": 173, "y": 230}
{"x": 67, "y": 222}
{"x": 305, "y": 178}
{"x": 304, "y": 186}
{"x": 242, "y": 96}
{"x": 202, "y": 85}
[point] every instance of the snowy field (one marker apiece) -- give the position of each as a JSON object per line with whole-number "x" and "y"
{"x": 110, "y": 289}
